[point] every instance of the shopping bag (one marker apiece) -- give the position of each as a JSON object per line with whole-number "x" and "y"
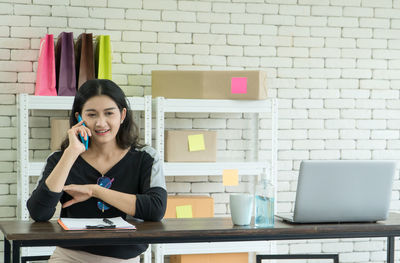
{"x": 46, "y": 71}
{"x": 103, "y": 57}
{"x": 84, "y": 58}
{"x": 65, "y": 65}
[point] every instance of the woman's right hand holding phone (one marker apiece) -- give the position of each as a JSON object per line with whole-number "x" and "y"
{"x": 75, "y": 143}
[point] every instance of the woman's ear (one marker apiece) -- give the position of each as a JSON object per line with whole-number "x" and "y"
{"x": 76, "y": 115}
{"x": 123, "y": 115}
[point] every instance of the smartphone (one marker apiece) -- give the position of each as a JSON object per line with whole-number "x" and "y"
{"x": 85, "y": 142}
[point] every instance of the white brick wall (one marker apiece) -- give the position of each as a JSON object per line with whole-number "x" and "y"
{"x": 334, "y": 65}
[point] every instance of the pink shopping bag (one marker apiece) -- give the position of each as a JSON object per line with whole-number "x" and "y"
{"x": 46, "y": 71}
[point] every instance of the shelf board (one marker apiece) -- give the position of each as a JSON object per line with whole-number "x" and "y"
{"x": 65, "y": 102}
{"x": 202, "y": 169}
{"x": 224, "y": 106}
{"x": 189, "y": 169}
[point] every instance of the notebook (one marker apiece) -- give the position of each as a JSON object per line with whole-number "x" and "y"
{"x": 343, "y": 191}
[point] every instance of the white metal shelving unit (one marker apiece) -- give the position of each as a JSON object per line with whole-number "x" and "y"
{"x": 27, "y": 169}
{"x": 252, "y": 166}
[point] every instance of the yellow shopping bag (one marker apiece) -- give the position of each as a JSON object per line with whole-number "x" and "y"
{"x": 103, "y": 57}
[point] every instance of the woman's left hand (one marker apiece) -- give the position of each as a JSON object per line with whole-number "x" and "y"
{"x": 79, "y": 193}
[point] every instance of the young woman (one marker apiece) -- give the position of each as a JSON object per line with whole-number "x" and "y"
{"x": 115, "y": 176}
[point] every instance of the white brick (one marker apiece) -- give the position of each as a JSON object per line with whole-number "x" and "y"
{"x": 228, "y": 7}
{"x": 279, "y": 20}
{"x": 126, "y": 47}
{"x": 243, "y": 40}
{"x": 262, "y": 8}
{"x": 337, "y": 247}
{"x": 208, "y": 17}
{"x": 325, "y": 52}
{"x": 139, "y": 58}
{"x": 158, "y": 26}
{"x": 370, "y": 104}
{"x": 375, "y": 22}
{"x": 126, "y": 69}
{"x": 308, "y": 42}
{"x": 323, "y": 134}
{"x": 325, "y": 31}
{"x": 343, "y": 21}
{"x": 385, "y": 154}
{"x": 324, "y": 114}
{"x": 30, "y": 55}
{"x": 207, "y": 188}
{"x": 394, "y": 64}
{"x": 308, "y": 63}
{"x": 294, "y": 31}
{"x": 292, "y": 113}
{"x": 178, "y": 16}
{"x": 374, "y": 84}
{"x": 91, "y": 3}
{"x": 307, "y": 103}
{"x": 324, "y": 154}
{"x": 386, "y": 74}
{"x": 307, "y": 145}
{"x": 326, "y": 11}
{"x": 7, "y": 212}
{"x": 194, "y": 6}
{"x": 371, "y": 124}
{"x": 311, "y": 83}
{"x": 340, "y": 144}
{"x": 178, "y": 187}
{"x": 121, "y": 24}
{"x": 4, "y": 31}
{"x": 340, "y": 124}
{"x": 255, "y": 51}
{"x": 276, "y": 41}
{"x": 373, "y": 64}
{"x": 356, "y": 53}
{"x": 292, "y": 134}
{"x": 174, "y": 37}
{"x": 8, "y": 76}
{"x": 192, "y": 49}
{"x": 260, "y": 29}
{"x": 339, "y": 103}
{"x": 107, "y": 12}
{"x": 384, "y": 94}
{"x": 386, "y": 13}
{"x": 355, "y": 134}
{"x": 69, "y": 11}
{"x": 209, "y": 124}
{"x": 243, "y": 61}
{"x": 357, "y": 113}
{"x": 157, "y": 48}
{"x": 26, "y": 77}
{"x": 308, "y": 124}
{"x": 85, "y": 23}
{"x": 290, "y": 93}
{"x": 13, "y": 20}
{"x": 357, "y": 33}
{"x": 354, "y": 93}
{"x": 246, "y": 19}
{"x": 293, "y": 155}
{"x": 17, "y": 66}
{"x": 298, "y": 10}
{"x": 125, "y": 4}
{"x": 40, "y": 10}
{"x": 227, "y": 29}
{"x": 141, "y": 14}
{"x": 311, "y": 21}
{"x": 357, "y": 73}
{"x": 209, "y": 60}
{"x": 371, "y": 144}
{"x": 358, "y": 11}
{"x": 208, "y": 39}
{"x": 356, "y": 154}
{"x": 160, "y": 5}
{"x": 372, "y": 43}
{"x": 324, "y": 73}
{"x": 387, "y": 33}
{"x": 340, "y": 63}
{"x": 340, "y": 42}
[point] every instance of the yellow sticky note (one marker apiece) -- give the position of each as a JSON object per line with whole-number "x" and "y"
{"x": 230, "y": 177}
{"x": 184, "y": 211}
{"x": 196, "y": 142}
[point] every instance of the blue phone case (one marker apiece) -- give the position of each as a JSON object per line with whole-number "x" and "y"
{"x": 85, "y": 142}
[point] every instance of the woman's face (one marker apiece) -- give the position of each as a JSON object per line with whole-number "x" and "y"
{"x": 102, "y": 116}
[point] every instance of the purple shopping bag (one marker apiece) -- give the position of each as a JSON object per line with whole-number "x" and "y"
{"x": 65, "y": 65}
{"x": 46, "y": 70}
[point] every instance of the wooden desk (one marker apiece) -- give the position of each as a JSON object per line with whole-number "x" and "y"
{"x": 28, "y": 234}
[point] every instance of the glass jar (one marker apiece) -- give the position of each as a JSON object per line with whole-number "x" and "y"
{"x": 264, "y": 203}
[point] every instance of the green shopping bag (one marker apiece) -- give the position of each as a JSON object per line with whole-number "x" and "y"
{"x": 103, "y": 57}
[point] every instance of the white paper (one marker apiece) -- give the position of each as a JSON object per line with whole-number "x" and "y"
{"x": 81, "y": 223}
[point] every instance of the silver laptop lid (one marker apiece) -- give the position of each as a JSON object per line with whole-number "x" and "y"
{"x": 342, "y": 191}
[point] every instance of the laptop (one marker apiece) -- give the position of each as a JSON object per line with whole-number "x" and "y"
{"x": 343, "y": 191}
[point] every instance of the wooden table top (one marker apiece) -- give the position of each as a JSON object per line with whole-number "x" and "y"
{"x": 201, "y": 230}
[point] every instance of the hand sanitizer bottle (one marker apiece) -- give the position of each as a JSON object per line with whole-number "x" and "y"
{"x": 264, "y": 203}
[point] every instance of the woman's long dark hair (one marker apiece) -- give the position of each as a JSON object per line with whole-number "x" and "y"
{"x": 128, "y": 134}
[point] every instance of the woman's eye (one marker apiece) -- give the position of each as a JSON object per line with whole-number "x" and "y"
{"x": 109, "y": 113}
{"x": 91, "y": 115}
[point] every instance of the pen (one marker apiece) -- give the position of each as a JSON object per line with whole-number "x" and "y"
{"x": 108, "y": 221}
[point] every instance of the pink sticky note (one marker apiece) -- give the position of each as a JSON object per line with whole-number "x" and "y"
{"x": 239, "y": 85}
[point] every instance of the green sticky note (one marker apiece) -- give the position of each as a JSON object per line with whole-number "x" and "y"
{"x": 184, "y": 211}
{"x": 196, "y": 142}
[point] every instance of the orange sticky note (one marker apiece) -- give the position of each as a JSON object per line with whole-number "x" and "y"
{"x": 184, "y": 211}
{"x": 196, "y": 142}
{"x": 230, "y": 177}
{"x": 239, "y": 85}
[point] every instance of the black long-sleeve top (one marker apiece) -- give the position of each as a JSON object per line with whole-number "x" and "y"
{"x": 139, "y": 172}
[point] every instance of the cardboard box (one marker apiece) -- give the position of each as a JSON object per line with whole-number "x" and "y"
{"x": 59, "y": 130}
{"x": 211, "y": 258}
{"x": 177, "y": 146}
{"x": 242, "y": 85}
{"x": 202, "y": 206}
